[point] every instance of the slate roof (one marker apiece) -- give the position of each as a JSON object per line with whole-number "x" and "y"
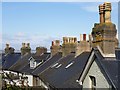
{"x": 117, "y": 52}
{"x": 47, "y": 63}
{"x": 9, "y": 59}
{"x": 2, "y": 56}
{"x": 40, "y": 58}
{"x": 23, "y": 61}
{"x": 63, "y": 77}
{"x": 110, "y": 66}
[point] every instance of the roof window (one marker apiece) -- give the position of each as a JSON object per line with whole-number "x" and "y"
{"x": 69, "y": 65}
{"x": 59, "y": 66}
{"x": 54, "y": 65}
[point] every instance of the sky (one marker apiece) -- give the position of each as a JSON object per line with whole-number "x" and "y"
{"x": 38, "y": 23}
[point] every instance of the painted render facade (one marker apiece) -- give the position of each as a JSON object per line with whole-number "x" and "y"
{"x": 101, "y": 81}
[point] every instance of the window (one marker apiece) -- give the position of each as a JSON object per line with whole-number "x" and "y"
{"x": 69, "y": 65}
{"x": 32, "y": 64}
{"x": 93, "y": 83}
{"x": 59, "y": 66}
{"x": 54, "y": 65}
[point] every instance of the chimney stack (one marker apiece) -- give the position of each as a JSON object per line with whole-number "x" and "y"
{"x": 25, "y": 48}
{"x": 69, "y": 45}
{"x": 104, "y": 34}
{"x": 40, "y": 50}
{"x": 55, "y": 47}
{"x": 9, "y": 50}
{"x": 83, "y": 45}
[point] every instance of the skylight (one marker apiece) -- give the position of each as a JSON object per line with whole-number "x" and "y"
{"x": 59, "y": 66}
{"x": 54, "y": 65}
{"x": 69, "y": 65}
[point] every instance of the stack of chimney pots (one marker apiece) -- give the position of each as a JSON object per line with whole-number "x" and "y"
{"x": 105, "y": 12}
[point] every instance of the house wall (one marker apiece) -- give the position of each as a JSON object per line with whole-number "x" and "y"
{"x": 30, "y": 80}
{"x": 101, "y": 81}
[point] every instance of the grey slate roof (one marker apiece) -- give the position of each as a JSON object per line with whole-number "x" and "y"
{"x": 63, "y": 77}
{"x": 117, "y": 52}
{"x": 40, "y": 58}
{"x": 47, "y": 63}
{"x": 23, "y": 61}
{"x": 110, "y": 66}
{"x": 9, "y": 59}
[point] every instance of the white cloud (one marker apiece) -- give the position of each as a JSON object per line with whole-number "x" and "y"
{"x": 34, "y": 40}
{"x": 90, "y": 8}
{"x": 20, "y": 34}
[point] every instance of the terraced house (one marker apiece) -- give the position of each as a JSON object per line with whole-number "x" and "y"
{"x": 73, "y": 64}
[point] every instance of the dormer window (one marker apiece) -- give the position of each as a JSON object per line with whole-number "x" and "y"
{"x": 32, "y": 63}
{"x": 31, "y": 58}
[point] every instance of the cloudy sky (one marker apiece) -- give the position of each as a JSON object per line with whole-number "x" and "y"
{"x": 41, "y": 22}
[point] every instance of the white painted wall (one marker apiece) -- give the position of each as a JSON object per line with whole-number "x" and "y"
{"x": 30, "y": 80}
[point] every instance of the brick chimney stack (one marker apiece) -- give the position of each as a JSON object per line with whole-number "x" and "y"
{"x": 69, "y": 45}
{"x": 56, "y": 47}
{"x": 40, "y": 50}
{"x": 104, "y": 33}
{"x": 8, "y": 49}
{"x": 83, "y": 45}
{"x": 25, "y": 48}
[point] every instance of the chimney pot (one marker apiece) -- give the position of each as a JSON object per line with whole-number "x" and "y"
{"x": 23, "y": 44}
{"x": 65, "y": 40}
{"x": 7, "y": 45}
{"x": 107, "y": 10}
{"x": 75, "y": 40}
{"x": 101, "y": 12}
{"x": 81, "y": 37}
{"x": 84, "y": 37}
{"x": 28, "y": 44}
{"x": 52, "y": 43}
